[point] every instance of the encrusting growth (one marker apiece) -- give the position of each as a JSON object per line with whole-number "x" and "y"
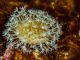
{"x": 32, "y": 30}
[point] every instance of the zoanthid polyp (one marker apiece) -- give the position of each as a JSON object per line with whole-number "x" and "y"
{"x": 32, "y": 30}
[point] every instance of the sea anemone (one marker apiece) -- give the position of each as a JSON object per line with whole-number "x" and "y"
{"x": 32, "y": 30}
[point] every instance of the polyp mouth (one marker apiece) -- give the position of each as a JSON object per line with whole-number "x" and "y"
{"x": 34, "y": 32}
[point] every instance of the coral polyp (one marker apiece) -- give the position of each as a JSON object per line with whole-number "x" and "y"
{"x": 32, "y": 30}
